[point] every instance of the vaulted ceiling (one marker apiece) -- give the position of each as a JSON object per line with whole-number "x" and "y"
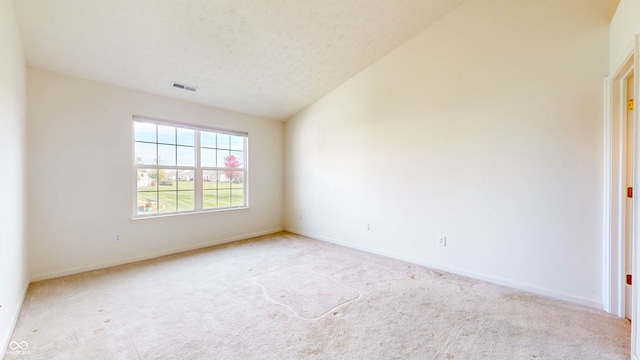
{"x": 265, "y": 58}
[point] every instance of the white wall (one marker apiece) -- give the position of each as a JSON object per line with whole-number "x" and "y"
{"x": 485, "y": 128}
{"x": 81, "y": 182}
{"x": 13, "y": 239}
{"x": 624, "y": 26}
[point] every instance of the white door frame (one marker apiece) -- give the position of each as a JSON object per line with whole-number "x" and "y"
{"x": 635, "y": 335}
{"x": 615, "y": 182}
{"x": 615, "y": 198}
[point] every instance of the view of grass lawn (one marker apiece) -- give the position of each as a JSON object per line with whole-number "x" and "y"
{"x": 181, "y": 168}
{"x": 176, "y": 196}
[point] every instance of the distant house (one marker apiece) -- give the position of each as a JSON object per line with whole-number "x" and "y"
{"x": 182, "y": 175}
{"x": 144, "y": 180}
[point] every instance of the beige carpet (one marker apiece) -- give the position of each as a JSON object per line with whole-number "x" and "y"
{"x": 308, "y": 294}
{"x": 288, "y": 297}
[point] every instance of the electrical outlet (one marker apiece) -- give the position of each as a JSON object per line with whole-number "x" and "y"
{"x": 367, "y": 227}
{"x": 300, "y": 217}
{"x": 117, "y": 237}
{"x": 442, "y": 241}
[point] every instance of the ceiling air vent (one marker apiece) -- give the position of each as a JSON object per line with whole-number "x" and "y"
{"x": 184, "y": 87}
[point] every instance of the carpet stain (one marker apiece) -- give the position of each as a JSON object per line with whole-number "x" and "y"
{"x": 308, "y": 294}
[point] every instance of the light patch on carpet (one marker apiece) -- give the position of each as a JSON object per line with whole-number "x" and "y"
{"x": 308, "y": 294}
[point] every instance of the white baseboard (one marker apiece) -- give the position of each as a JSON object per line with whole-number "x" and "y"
{"x": 81, "y": 269}
{"x": 4, "y": 343}
{"x": 471, "y": 274}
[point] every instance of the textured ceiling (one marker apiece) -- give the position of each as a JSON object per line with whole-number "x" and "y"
{"x": 265, "y": 58}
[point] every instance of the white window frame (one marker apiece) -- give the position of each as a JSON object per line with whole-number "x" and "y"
{"x": 198, "y": 169}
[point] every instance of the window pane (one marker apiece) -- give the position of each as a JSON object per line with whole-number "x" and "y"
{"x": 209, "y": 199}
{"x": 147, "y": 180}
{"x": 186, "y": 137}
{"x": 166, "y": 179}
{"x": 144, "y": 132}
{"x": 186, "y": 156}
{"x": 237, "y": 179}
{"x": 224, "y": 180}
{"x": 185, "y": 201}
{"x": 185, "y": 180}
{"x": 237, "y": 160}
{"x": 207, "y": 139}
{"x": 237, "y": 197}
{"x": 224, "y": 198}
{"x": 166, "y": 155}
{"x": 167, "y": 201}
{"x": 146, "y": 203}
{"x": 166, "y": 134}
{"x": 221, "y": 157}
{"x": 208, "y": 157}
{"x": 145, "y": 153}
{"x": 209, "y": 180}
{"x": 237, "y": 142}
{"x": 223, "y": 141}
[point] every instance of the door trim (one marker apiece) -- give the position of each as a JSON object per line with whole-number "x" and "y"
{"x": 615, "y": 183}
{"x": 615, "y": 113}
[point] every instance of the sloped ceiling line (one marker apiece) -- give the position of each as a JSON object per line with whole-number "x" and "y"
{"x": 265, "y": 58}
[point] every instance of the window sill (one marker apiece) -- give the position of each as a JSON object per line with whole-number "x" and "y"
{"x": 194, "y": 213}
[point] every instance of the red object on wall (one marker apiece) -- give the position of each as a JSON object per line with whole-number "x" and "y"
{"x": 629, "y": 192}
{"x": 628, "y": 279}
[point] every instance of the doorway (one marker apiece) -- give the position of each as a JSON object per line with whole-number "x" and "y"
{"x": 619, "y": 219}
{"x": 630, "y": 147}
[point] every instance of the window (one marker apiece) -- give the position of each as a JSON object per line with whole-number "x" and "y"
{"x": 182, "y": 168}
